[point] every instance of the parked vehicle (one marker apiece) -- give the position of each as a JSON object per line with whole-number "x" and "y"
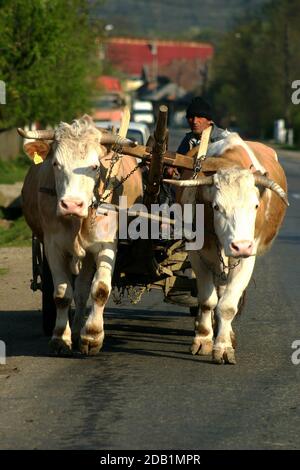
{"x": 109, "y": 83}
{"x": 137, "y": 131}
{"x": 142, "y": 111}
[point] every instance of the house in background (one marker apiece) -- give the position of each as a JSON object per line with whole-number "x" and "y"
{"x": 184, "y": 63}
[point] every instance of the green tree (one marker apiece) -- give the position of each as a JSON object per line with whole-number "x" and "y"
{"x": 255, "y": 66}
{"x": 49, "y": 57}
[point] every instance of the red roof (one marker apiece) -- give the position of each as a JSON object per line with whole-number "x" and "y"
{"x": 130, "y": 55}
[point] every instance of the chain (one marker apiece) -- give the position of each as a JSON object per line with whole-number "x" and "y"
{"x": 198, "y": 165}
{"x": 115, "y": 158}
{"x": 230, "y": 266}
{"x": 98, "y": 201}
{"x": 125, "y": 178}
{"x": 222, "y": 276}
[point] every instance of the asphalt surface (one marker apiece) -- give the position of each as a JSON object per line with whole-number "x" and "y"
{"x": 145, "y": 390}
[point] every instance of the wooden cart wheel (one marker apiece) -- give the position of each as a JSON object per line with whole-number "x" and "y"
{"x": 48, "y": 304}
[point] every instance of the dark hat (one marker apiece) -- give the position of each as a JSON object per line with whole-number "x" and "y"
{"x": 199, "y": 107}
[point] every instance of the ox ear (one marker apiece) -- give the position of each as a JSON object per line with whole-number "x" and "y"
{"x": 37, "y": 151}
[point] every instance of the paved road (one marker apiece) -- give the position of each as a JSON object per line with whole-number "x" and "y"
{"x": 145, "y": 391}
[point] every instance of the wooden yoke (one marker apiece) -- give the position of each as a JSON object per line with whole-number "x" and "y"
{"x": 157, "y": 160}
{"x": 186, "y": 162}
{"x": 169, "y": 158}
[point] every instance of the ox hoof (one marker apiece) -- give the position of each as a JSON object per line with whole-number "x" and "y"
{"x": 224, "y": 356}
{"x": 59, "y": 347}
{"x": 202, "y": 347}
{"x": 90, "y": 345}
{"x": 75, "y": 342}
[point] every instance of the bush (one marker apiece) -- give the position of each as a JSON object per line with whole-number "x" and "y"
{"x": 13, "y": 170}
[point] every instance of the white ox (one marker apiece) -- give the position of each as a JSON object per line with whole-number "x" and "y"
{"x": 243, "y": 214}
{"x": 57, "y": 203}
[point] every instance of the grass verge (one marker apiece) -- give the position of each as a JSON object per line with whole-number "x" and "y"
{"x": 19, "y": 234}
{"x": 14, "y": 170}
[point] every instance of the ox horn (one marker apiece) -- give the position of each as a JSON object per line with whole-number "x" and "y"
{"x": 109, "y": 138}
{"x": 268, "y": 183}
{"x": 38, "y": 135}
{"x": 204, "y": 180}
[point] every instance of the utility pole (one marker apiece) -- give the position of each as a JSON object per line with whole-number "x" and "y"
{"x": 287, "y": 84}
{"x": 153, "y": 49}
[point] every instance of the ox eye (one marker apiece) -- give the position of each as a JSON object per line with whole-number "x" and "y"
{"x": 216, "y": 207}
{"x": 56, "y": 165}
{"x": 256, "y": 207}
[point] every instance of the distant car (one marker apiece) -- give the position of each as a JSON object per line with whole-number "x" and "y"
{"x": 142, "y": 111}
{"x": 137, "y": 131}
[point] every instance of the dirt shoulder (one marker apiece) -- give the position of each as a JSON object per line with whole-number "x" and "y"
{"x": 15, "y": 292}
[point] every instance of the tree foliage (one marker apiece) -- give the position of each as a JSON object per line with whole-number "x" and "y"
{"x": 255, "y": 66}
{"x": 48, "y": 58}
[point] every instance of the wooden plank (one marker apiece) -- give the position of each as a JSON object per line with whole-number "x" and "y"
{"x": 170, "y": 158}
{"x": 179, "y": 161}
{"x": 157, "y": 160}
{"x": 116, "y": 168}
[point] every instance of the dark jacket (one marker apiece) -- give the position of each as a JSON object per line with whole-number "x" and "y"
{"x": 191, "y": 140}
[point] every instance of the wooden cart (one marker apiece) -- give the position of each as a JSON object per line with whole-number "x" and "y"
{"x": 141, "y": 264}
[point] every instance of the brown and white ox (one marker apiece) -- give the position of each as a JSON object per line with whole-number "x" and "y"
{"x": 57, "y": 204}
{"x": 243, "y": 211}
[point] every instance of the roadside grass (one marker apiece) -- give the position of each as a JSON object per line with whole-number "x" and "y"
{"x": 18, "y": 234}
{"x": 14, "y": 170}
{"x": 295, "y": 147}
{"x": 3, "y": 271}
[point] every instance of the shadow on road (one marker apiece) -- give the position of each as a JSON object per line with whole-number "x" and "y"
{"x": 142, "y": 332}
